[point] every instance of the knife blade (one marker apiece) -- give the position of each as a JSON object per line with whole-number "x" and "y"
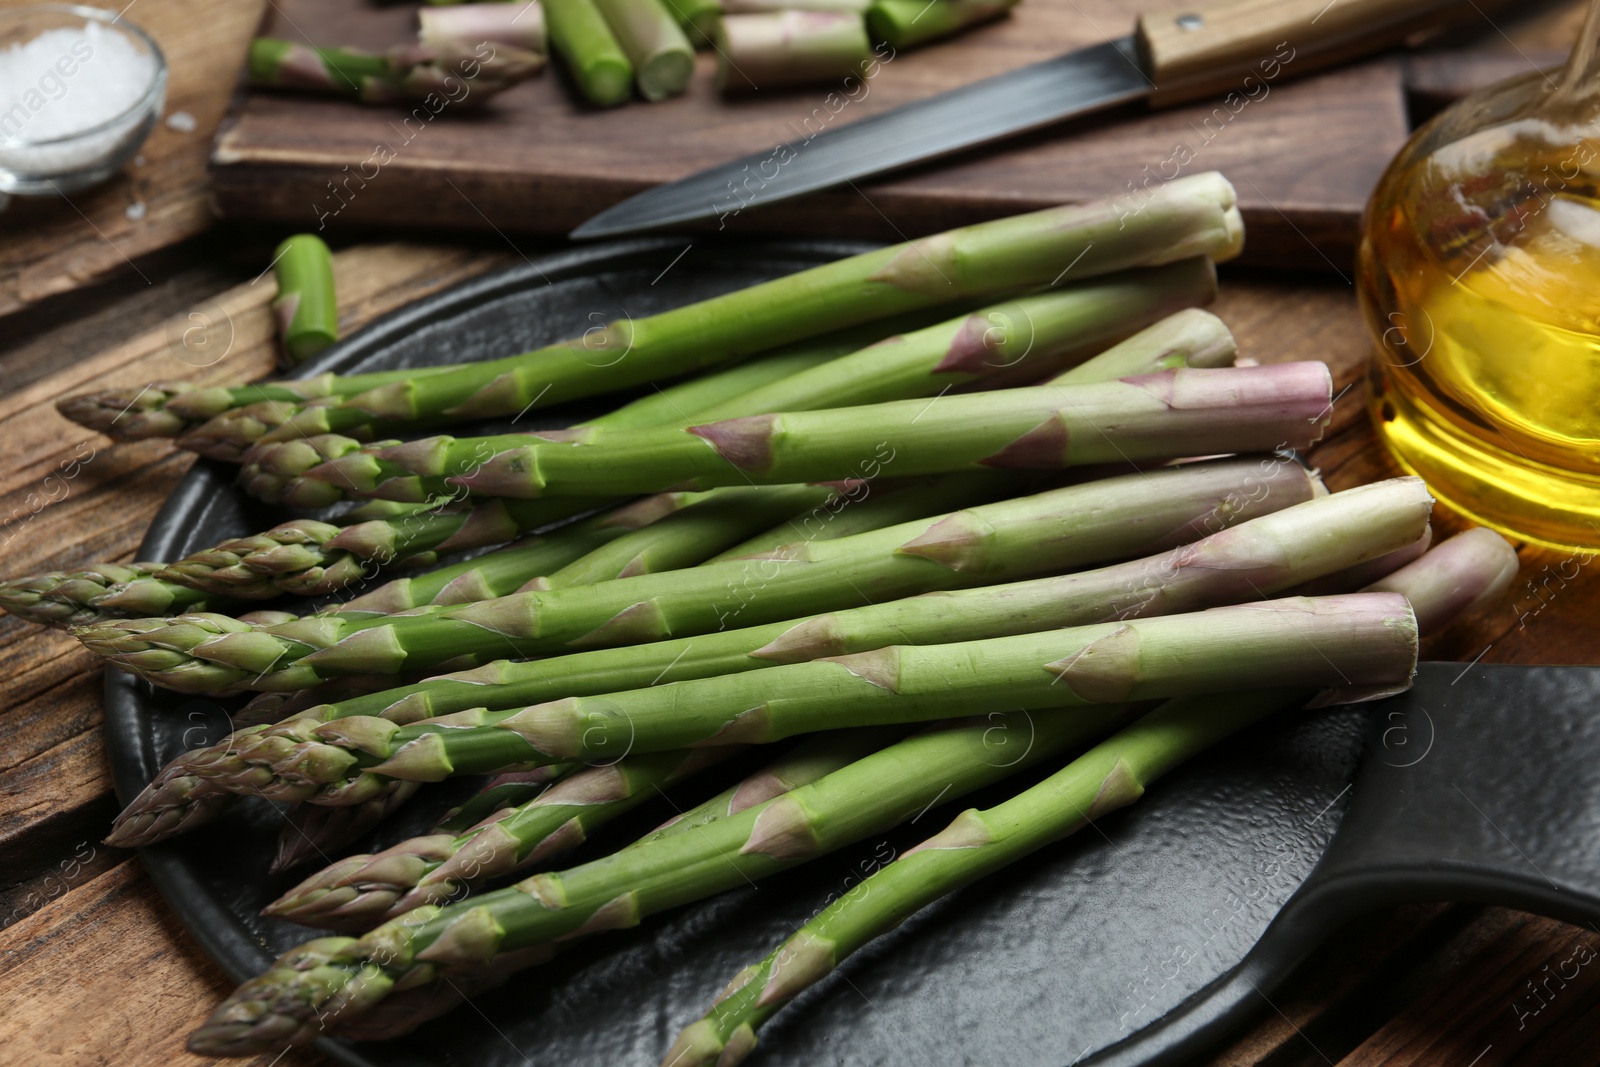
{"x": 1173, "y": 56}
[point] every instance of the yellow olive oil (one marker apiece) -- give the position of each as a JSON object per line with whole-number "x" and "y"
{"x": 1480, "y": 282}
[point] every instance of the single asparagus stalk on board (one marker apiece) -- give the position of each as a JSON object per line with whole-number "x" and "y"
{"x": 1260, "y": 557}
{"x": 1025, "y": 338}
{"x": 307, "y": 310}
{"x": 334, "y": 982}
{"x": 907, "y": 23}
{"x": 1463, "y": 572}
{"x": 790, "y": 48}
{"x": 1187, "y": 217}
{"x": 1160, "y": 416}
{"x": 517, "y": 25}
{"x": 465, "y": 72}
{"x": 103, "y": 591}
{"x": 1367, "y": 640}
{"x": 662, "y": 58}
{"x": 580, "y": 35}
{"x": 1040, "y": 534}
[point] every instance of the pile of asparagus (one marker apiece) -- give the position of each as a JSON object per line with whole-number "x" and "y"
{"x": 465, "y": 54}
{"x": 1008, "y": 474}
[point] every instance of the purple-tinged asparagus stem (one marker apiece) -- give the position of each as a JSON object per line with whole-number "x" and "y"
{"x": 405, "y": 73}
{"x": 757, "y": 52}
{"x": 1114, "y": 773}
{"x": 1050, "y": 531}
{"x": 516, "y": 24}
{"x": 1168, "y": 414}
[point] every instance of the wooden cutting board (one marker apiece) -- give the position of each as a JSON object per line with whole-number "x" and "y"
{"x": 1303, "y": 154}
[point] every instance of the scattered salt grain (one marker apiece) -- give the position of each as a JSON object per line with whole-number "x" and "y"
{"x": 135, "y": 210}
{"x": 181, "y": 121}
{"x": 64, "y": 82}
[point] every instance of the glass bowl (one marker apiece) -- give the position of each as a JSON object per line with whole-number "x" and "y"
{"x": 38, "y": 157}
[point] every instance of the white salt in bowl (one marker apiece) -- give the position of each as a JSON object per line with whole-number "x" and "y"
{"x": 80, "y": 90}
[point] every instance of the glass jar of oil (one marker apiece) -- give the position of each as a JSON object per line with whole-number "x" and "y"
{"x": 1480, "y": 281}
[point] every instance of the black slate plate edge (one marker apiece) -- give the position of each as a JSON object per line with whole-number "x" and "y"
{"x": 130, "y": 749}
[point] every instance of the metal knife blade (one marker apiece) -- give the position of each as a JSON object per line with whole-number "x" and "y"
{"x": 1090, "y": 79}
{"x": 1173, "y": 55}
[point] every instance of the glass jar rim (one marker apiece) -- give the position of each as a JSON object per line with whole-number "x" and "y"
{"x": 158, "y": 75}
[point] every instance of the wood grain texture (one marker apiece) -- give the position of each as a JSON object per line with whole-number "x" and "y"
{"x": 53, "y": 246}
{"x": 108, "y": 977}
{"x": 1303, "y": 154}
{"x": 1539, "y": 1006}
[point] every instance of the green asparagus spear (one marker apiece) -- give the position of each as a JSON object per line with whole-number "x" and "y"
{"x": 313, "y": 831}
{"x": 580, "y": 36}
{"x": 1175, "y": 413}
{"x": 1021, "y": 339}
{"x": 359, "y": 892}
{"x": 1462, "y": 572}
{"x": 311, "y": 557}
{"x": 308, "y": 312}
{"x": 407, "y": 73}
{"x": 995, "y": 542}
{"x": 362, "y": 891}
{"x": 517, "y": 25}
{"x": 1186, "y": 217}
{"x": 104, "y": 591}
{"x": 907, "y": 23}
{"x": 503, "y": 791}
{"x": 332, "y": 983}
{"x": 662, "y": 57}
{"x": 1258, "y": 558}
{"x": 1366, "y": 640}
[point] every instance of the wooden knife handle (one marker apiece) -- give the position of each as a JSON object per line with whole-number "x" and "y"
{"x": 1240, "y": 45}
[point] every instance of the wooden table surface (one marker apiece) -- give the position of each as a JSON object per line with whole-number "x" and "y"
{"x": 93, "y": 967}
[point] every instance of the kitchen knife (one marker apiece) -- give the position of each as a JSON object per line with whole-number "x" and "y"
{"x": 1174, "y": 55}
